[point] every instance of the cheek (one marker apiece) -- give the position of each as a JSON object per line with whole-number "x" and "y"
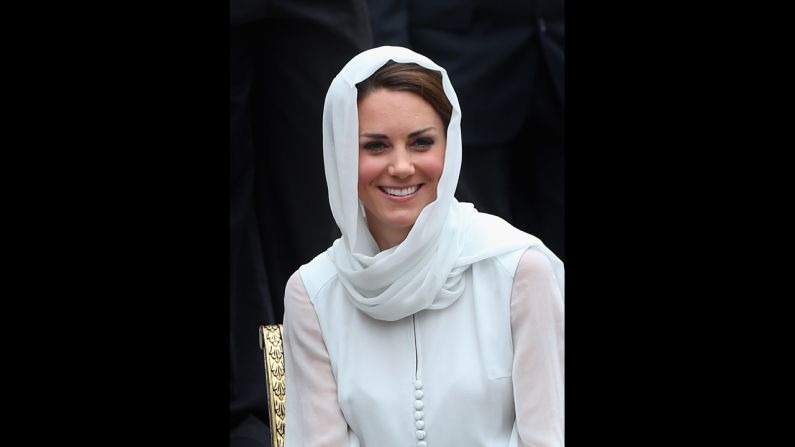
{"x": 438, "y": 159}
{"x": 439, "y": 167}
{"x": 369, "y": 169}
{"x": 434, "y": 165}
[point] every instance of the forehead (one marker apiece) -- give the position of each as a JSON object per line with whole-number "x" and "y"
{"x": 388, "y": 107}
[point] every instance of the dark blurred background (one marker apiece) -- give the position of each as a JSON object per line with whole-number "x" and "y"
{"x": 505, "y": 59}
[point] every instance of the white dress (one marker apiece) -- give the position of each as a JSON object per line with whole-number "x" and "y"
{"x": 486, "y": 371}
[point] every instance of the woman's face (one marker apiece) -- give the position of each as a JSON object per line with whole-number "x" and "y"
{"x": 401, "y": 156}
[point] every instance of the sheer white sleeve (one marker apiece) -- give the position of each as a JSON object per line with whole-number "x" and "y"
{"x": 538, "y": 339}
{"x": 313, "y": 414}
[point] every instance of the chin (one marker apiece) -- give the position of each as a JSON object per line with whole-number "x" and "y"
{"x": 402, "y": 221}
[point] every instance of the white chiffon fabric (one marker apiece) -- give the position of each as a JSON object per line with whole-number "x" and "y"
{"x": 349, "y": 380}
{"x": 467, "y": 305}
{"x": 424, "y": 271}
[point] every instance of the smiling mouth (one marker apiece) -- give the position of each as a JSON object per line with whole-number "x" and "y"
{"x": 400, "y": 192}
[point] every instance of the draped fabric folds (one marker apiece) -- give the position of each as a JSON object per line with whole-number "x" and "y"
{"x": 425, "y": 271}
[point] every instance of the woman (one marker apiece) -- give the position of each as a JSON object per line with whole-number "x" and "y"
{"x": 427, "y": 323}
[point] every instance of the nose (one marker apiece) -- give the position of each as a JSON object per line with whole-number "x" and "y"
{"x": 401, "y": 165}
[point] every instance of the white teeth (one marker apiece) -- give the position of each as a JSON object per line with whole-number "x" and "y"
{"x": 400, "y": 192}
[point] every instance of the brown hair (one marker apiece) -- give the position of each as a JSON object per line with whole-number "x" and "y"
{"x": 414, "y": 78}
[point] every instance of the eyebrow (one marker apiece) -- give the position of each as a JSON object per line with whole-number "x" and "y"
{"x": 417, "y": 132}
{"x": 382, "y": 136}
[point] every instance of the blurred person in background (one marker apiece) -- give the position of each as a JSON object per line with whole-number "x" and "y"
{"x": 283, "y": 58}
{"x": 507, "y": 60}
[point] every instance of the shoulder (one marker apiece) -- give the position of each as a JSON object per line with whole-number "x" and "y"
{"x": 533, "y": 263}
{"x": 535, "y": 272}
{"x": 316, "y": 274}
{"x": 509, "y": 261}
{"x": 526, "y": 265}
{"x": 295, "y": 294}
{"x": 295, "y": 286}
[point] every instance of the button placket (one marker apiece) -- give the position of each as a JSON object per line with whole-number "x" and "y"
{"x": 419, "y": 394}
{"x": 419, "y": 414}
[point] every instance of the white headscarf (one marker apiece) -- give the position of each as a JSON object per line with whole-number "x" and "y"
{"x": 425, "y": 270}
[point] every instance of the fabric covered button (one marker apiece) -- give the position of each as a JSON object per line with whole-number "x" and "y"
{"x": 418, "y": 404}
{"x": 420, "y": 425}
{"x": 422, "y": 444}
{"x": 420, "y": 434}
{"x": 418, "y": 394}
{"x": 418, "y": 384}
{"x": 418, "y": 415}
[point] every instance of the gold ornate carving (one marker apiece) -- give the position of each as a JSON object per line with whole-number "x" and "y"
{"x": 271, "y": 344}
